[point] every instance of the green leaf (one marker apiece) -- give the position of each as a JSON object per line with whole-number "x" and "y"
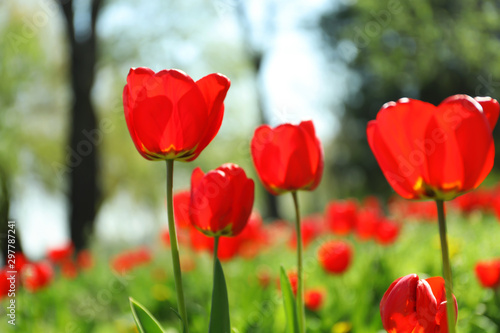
{"x": 219, "y": 314}
{"x": 144, "y": 320}
{"x": 292, "y": 325}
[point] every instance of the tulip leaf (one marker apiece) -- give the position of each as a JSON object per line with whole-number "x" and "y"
{"x": 145, "y": 321}
{"x": 289, "y": 303}
{"x": 219, "y": 314}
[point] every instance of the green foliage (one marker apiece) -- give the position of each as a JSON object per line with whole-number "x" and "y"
{"x": 289, "y": 303}
{"x": 145, "y": 321}
{"x": 219, "y": 313}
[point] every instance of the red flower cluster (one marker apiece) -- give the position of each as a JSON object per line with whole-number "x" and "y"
{"x": 335, "y": 256}
{"x": 169, "y": 115}
{"x": 130, "y": 259}
{"x": 425, "y": 151}
{"x": 488, "y": 273}
{"x": 247, "y": 244}
{"x": 419, "y": 210}
{"x": 37, "y": 275}
{"x": 63, "y": 257}
{"x": 366, "y": 221}
{"x": 413, "y": 305}
{"x": 31, "y": 275}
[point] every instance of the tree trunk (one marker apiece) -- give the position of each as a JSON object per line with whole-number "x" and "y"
{"x": 84, "y": 134}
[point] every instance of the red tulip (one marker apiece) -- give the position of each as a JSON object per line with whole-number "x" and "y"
{"x": 314, "y": 299}
{"x": 181, "y": 209}
{"x": 37, "y": 275}
{"x": 130, "y": 259}
{"x": 341, "y": 216}
{"x": 488, "y": 273}
{"x": 61, "y": 254}
{"x": 288, "y": 157}
{"x": 413, "y": 305}
{"x": 386, "y": 232}
{"x": 5, "y": 282}
{"x": 335, "y": 256}
{"x": 426, "y": 151}
{"x": 366, "y": 224}
{"x": 221, "y": 200}
{"x": 169, "y": 115}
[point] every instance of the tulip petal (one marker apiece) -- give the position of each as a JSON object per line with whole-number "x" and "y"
{"x": 462, "y": 115}
{"x": 151, "y": 116}
{"x": 491, "y": 109}
{"x": 426, "y": 306}
{"x": 397, "y": 308}
{"x": 388, "y": 163}
{"x": 316, "y": 158}
{"x": 214, "y": 88}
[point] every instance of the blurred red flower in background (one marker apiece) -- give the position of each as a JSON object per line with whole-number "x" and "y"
{"x": 426, "y": 151}
{"x": 38, "y": 275}
{"x": 488, "y": 273}
{"x": 311, "y": 227}
{"x": 221, "y": 200}
{"x": 84, "y": 260}
{"x": 60, "y": 254}
{"x": 366, "y": 224}
{"x": 181, "y": 208}
{"x": 169, "y": 115}
{"x": 288, "y": 157}
{"x": 387, "y": 231}
{"x": 420, "y": 210}
{"x": 128, "y": 260}
{"x": 413, "y": 305}
{"x": 314, "y": 299}
{"x": 341, "y": 216}
{"x": 335, "y": 256}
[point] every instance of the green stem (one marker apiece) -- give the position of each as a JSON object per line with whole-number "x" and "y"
{"x": 216, "y": 247}
{"x": 301, "y": 316}
{"x": 174, "y": 248}
{"x": 450, "y": 304}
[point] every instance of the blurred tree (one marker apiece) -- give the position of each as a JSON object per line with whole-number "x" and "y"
{"x": 427, "y": 50}
{"x": 256, "y": 52}
{"x": 84, "y": 132}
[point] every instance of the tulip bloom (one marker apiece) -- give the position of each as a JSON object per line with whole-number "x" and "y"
{"x": 288, "y": 157}
{"x": 61, "y": 254}
{"x": 314, "y": 299}
{"x": 169, "y": 115}
{"x": 335, "y": 256}
{"x": 413, "y": 305}
{"x": 221, "y": 200}
{"x": 426, "y": 151}
{"x": 341, "y": 216}
{"x": 36, "y": 276}
{"x": 387, "y": 232}
{"x": 488, "y": 273}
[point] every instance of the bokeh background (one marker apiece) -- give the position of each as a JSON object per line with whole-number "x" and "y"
{"x": 69, "y": 170}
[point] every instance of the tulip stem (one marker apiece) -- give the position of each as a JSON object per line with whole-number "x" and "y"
{"x": 174, "y": 248}
{"x": 216, "y": 248}
{"x": 301, "y": 316}
{"x": 450, "y": 304}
